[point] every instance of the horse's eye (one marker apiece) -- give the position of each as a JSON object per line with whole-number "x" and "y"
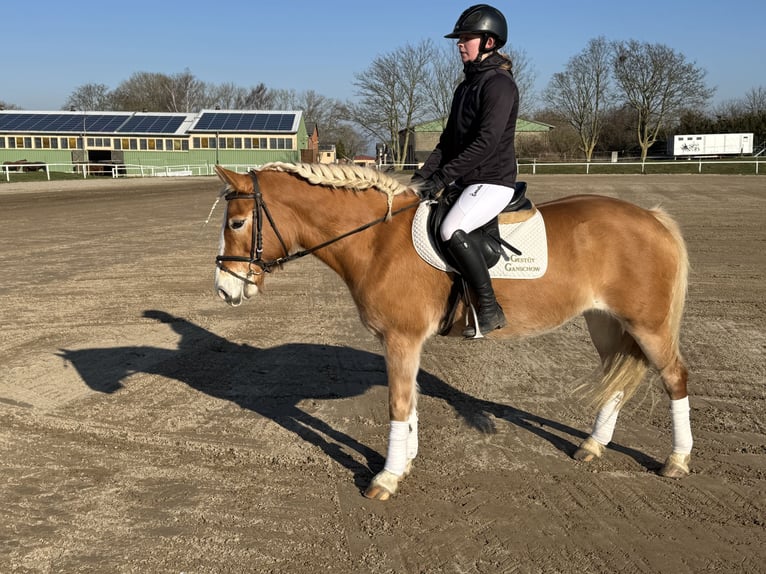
{"x": 237, "y": 223}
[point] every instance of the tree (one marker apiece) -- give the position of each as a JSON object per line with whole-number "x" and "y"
{"x": 7, "y": 106}
{"x": 142, "y": 91}
{"x": 228, "y": 96}
{"x": 581, "y": 93}
{"x": 392, "y": 96}
{"x": 755, "y": 101}
{"x": 525, "y": 75}
{"x": 441, "y": 79}
{"x": 184, "y": 92}
{"x": 657, "y": 83}
{"x": 89, "y": 97}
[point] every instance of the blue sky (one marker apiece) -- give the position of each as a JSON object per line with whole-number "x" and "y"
{"x": 301, "y": 45}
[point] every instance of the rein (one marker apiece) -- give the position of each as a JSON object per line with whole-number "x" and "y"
{"x": 256, "y": 245}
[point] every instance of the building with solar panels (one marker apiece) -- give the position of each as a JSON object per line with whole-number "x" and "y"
{"x": 69, "y": 140}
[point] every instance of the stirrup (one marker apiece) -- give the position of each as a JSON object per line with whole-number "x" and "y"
{"x": 496, "y": 321}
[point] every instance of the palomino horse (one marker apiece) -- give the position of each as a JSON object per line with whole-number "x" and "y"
{"x": 623, "y": 267}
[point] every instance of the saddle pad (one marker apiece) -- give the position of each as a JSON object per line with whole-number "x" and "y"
{"x": 528, "y": 237}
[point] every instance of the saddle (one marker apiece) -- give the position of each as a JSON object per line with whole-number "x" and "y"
{"x": 487, "y": 237}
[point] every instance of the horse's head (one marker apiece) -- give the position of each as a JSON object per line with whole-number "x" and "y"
{"x": 269, "y": 218}
{"x": 241, "y": 260}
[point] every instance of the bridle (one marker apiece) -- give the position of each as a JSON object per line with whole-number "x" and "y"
{"x": 260, "y": 209}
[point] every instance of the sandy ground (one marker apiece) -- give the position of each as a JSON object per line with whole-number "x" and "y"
{"x": 147, "y": 427}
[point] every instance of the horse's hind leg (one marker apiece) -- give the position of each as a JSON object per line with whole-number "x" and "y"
{"x": 624, "y": 366}
{"x": 664, "y": 355}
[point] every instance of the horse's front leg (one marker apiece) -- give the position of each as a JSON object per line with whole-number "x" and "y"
{"x": 402, "y": 364}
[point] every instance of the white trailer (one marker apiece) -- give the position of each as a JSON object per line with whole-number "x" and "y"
{"x": 711, "y": 144}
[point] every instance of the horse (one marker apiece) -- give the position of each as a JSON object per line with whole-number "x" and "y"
{"x": 623, "y": 267}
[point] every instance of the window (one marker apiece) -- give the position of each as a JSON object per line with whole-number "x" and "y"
{"x": 280, "y": 143}
{"x": 2, "y": 142}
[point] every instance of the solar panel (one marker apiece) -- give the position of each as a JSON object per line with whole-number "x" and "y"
{"x": 61, "y": 122}
{"x": 245, "y": 122}
{"x": 152, "y": 124}
{"x": 129, "y": 123}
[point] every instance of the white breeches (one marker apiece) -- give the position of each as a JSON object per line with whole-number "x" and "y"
{"x": 476, "y": 205}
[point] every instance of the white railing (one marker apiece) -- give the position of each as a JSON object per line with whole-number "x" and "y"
{"x": 604, "y": 166}
{"x": 108, "y": 170}
{"x": 533, "y": 167}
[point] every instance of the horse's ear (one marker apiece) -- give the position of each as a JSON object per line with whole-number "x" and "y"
{"x": 230, "y": 178}
{"x": 223, "y": 174}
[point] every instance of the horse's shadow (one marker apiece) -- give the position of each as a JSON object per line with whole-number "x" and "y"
{"x": 273, "y": 381}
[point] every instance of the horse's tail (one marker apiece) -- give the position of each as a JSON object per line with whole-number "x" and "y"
{"x": 680, "y": 284}
{"x": 625, "y": 364}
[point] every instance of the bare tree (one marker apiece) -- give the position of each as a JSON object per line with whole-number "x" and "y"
{"x": 185, "y": 93}
{"x": 754, "y": 101}
{"x": 581, "y": 93}
{"x": 392, "y": 96}
{"x": 142, "y": 91}
{"x": 525, "y": 75}
{"x": 89, "y": 97}
{"x": 658, "y": 83}
{"x": 7, "y": 106}
{"x": 442, "y": 77}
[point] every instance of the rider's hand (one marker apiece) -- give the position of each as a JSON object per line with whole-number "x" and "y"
{"x": 428, "y": 188}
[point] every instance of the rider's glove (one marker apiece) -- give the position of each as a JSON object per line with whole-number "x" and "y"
{"x": 428, "y": 188}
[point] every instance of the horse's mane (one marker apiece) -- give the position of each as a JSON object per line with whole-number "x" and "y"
{"x": 342, "y": 176}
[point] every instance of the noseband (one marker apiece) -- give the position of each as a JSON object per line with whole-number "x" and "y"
{"x": 256, "y": 244}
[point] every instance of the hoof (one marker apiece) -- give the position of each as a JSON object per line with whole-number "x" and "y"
{"x": 383, "y": 486}
{"x": 589, "y": 450}
{"x": 676, "y": 466}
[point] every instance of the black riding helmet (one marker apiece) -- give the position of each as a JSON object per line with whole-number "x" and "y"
{"x": 485, "y": 20}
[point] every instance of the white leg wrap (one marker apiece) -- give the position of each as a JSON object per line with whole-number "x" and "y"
{"x": 412, "y": 437}
{"x": 396, "y": 459}
{"x": 682, "y": 429}
{"x": 606, "y": 420}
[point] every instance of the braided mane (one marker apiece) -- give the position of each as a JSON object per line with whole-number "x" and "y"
{"x": 342, "y": 176}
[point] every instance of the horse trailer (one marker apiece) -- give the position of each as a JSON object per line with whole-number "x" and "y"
{"x": 696, "y": 145}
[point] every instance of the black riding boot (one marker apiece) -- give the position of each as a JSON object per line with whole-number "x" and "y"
{"x": 471, "y": 265}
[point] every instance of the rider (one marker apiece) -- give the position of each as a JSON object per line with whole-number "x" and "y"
{"x": 476, "y": 151}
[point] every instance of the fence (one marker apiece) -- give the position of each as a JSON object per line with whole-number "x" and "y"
{"x": 660, "y": 167}
{"x": 86, "y": 170}
{"x": 524, "y": 167}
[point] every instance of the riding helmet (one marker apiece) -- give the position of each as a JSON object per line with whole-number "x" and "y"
{"x": 482, "y": 19}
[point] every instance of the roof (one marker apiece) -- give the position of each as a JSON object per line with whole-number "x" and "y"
{"x": 247, "y": 121}
{"x": 149, "y": 123}
{"x": 521, "y": 126}
{"x": 78, "y": 122}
